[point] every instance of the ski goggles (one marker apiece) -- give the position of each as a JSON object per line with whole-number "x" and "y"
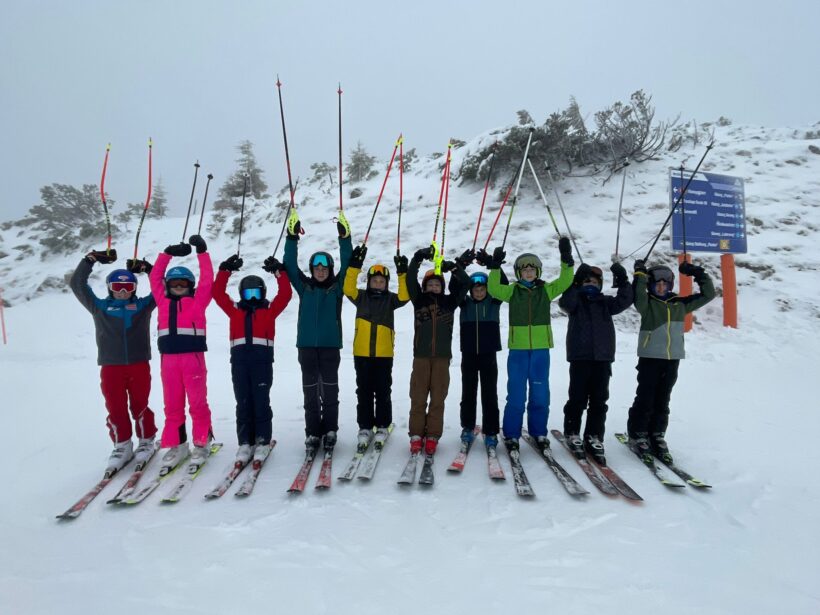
{"x": 319, "y": 259}
{"x": 118, "y": 287}
{"x": 663, "y": 275}
{"x": 251, "y": 293}
{"x": 378, "y": 270}
{"x": 479, "y": 279}
{"x": 179, "y": 283}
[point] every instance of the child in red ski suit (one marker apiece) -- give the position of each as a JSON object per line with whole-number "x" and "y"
{"x": 182, "y": 345}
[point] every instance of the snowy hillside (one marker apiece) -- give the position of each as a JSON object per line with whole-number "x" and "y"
{"x": 466, "y": 545}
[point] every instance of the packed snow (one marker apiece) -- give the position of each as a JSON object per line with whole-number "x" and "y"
{"x": 750, "y": 545}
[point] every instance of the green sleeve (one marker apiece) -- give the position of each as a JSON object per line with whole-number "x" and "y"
{"x": 641, "y": 297}
{"x": 561, "y": 283}
{"x": 496, "y": 289}
{"x": 706, "y": 294}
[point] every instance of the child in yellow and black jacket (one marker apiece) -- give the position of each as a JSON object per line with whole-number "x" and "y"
{"x": 373, "y": 342}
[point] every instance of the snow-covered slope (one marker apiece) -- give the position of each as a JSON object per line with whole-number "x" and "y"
{"x": 467, "y": 545}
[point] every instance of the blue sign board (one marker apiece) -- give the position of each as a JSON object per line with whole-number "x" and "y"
{"x": 712, "y": 215}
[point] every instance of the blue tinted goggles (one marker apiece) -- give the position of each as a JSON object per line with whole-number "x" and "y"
{"x": 319, "y": 259}
{"x": 251, "y": 293}
{"x": 479, "y": 278}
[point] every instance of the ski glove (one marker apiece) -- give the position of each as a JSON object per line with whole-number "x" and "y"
{"x": 498, "y": 258}
{"x": 272, "y": 265}
{"x": 693, "y": 270}
{"x": 401, "y": 264}
{"x": 178, "y": 249}
{"x": 423, "y": 254}
{"x": 232, "y": 263}
{"x": 198, "y": 243}
{"x": 640, "y": 266}
{"x": 447, "y": 266}
{"x": 294, "y": 226}
{"x": 342, "y": 225}
{"x": 565, "y": 249}
{"x": 618, "y": 274}
{"x": 482, "y": 258}
{"x": 467, "y": 257}
{"x": 357, "y": 257}
{"x": 138, "y": 265}
{"x": 101, "y": 256}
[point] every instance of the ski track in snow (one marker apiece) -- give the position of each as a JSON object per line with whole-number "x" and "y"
{"x": 744, "y": 418}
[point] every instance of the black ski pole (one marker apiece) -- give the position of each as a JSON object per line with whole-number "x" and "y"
{"x": 616, "y": 257}
{"x": 204, "y": 203}
{"x": 190, "y": 201}
{"x": 287, "y": 162}
{"x": 683, "y": 216}
{"x": 147, "y": 200}
{"x": 242, "y": 212}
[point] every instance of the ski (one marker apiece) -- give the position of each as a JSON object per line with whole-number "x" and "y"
{"x": 162, "y": 475}
{"x": 353, "y": 466}
{"x": 372, "y": 458}
{"x": 601, "y": 482}
{"x": 461, "y": 458}
{"x": 426, "y": 477}
{"x": 186, "y": 483}
{"x": 326, "y": 471}
{"x": 564, "y": 477}
{"x": 76, "y": 510}
{"x": 298, "y": 485}
{"x": 690, "y": 480}
{"x": 131, "y": 484}
{"x": 225, "y": 484}
{"x": 493, "y": 465}
{"x": 246, "y": 488}
{"x": 649, "y": 462}
{"x": 408, "y": 475}
{"x": 522, "y": 483}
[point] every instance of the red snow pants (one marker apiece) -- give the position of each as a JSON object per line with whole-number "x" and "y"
{"x": 185, "y": 375}
{"x": 121, "y": 385}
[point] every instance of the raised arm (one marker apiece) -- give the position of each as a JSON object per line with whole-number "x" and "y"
{"x": 284, "y": 293}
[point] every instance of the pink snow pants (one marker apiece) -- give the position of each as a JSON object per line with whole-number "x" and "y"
{"x": 185, "y": 375}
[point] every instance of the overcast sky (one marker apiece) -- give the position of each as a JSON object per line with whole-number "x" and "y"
{"x": 200, "y": 76}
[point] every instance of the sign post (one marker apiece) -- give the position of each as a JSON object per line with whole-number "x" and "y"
{"x": 713, "y": 218}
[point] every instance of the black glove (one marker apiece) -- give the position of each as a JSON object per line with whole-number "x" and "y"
{"x": 640, "y": 266}
{"x": 198, "y": 243}
{"x": 101, "y": 256}
{"x": 272, "y": 265}
{"x": 482, "y": 258}
{"x": 423, "y": 254}
{"x": 357, "y": 257}
{"x": 178, "y": 249}
{"x": 232, "y": 263}
{"x": 581, "y": 274}
{"x": 498, "y": 258}
{"x": 565, "y": 249}
{"x": 690, "y": 269}
{"x": 467, "y": 257}
{"x": 401, "y": 264}
{"x": 618, "y": 274}
{"x": 447, "y": 266}
{"x": 138, "y": 265}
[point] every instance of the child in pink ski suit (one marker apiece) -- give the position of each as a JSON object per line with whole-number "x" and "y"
{"x": 181, "y": 319}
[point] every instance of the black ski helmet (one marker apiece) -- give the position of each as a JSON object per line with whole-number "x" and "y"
{"x": 321, "y": 258}
{"x": 661, "y": 272}
{"x": 250, "y": 282}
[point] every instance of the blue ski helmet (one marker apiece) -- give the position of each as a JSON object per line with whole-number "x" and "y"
{"x": 180, "y": 273}
{"x": 120, "y": 275}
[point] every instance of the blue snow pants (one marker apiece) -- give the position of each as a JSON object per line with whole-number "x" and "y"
{"x": 527, "y": 368}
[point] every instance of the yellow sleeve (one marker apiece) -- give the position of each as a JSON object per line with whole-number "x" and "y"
{"x": 349, "y": 287}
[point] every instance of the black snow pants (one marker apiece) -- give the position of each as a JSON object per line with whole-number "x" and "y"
{"x": 374, "y": 384}
{"x": 320, "y": 385}
{"x": 588, "y": 390}
{"x": 650, "y": 410}
{"x": 483, "y": 366}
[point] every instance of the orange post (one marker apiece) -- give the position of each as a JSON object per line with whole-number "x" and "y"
{"x": 685, "y": 291}
{"x": 727, "y": 273}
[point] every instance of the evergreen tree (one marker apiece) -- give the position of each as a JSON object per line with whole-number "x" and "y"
{"x": 246, "y": 163}
{"x": 159, "y": 201}
{"x": 360, "y": 165}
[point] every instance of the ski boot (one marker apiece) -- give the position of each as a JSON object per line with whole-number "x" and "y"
{"x": 595, "y": 449}
{"x": 660, "y": 449}
{"x": 363, "y": 440}
{"x": 639, "y": 443}
{"x": 261, "y": 450}
{"x": 122, "y": 454}
{"x": 543, "y": 444}
{"x": 467, "y": 436}
{"x": 200, "y": 454}
{"x": 490, "y": 441}
{"x": 511, "y": 444}
{"x": 244, "y": 453}
{"x": 145, "y": 449}
{"x": 381, "y": 437}
{"x": 416, "y": 444}
{"x": 312, "y": 443}
{"x": 575, "y": 445}
{"x": 329, "y": 440}
{"x": 430, "y": 445}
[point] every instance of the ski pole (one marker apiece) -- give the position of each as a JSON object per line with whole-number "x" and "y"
{"x": 679, "y": 200}
{"x": 441, "y": 192}
{"x": 287, "y": 162}
{"x": 440, "y": 255}
{"x": 204, "y": 203}
{"x": 381, "y": 192}
{"x": 544, "y": 198}
{"x": 339, "y": 91}
{"x": 242, "y": 212}
{"x": 147, "y": 200}
{"x": 102, "y": 197}
{"x": 517, "y": 187}
{"x": 500, "y": 211}
{"x": 484, "y": 197}
{"x": 401, "y": 196}
{"x": 683, "y": 215}
{"x": 190, "y": 201}
{"x": 563, "y": 213}
{"x": 616, "y": 257}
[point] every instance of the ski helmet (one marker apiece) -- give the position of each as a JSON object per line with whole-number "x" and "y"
{"x": 431, "y": 274}
{"x": 252, "y": 287}
{"x": 595, "y": 272}
{"x": 119, "y": 279}
{"x": 479, "y": 278}
{"x": 378, "y": 269}
{"x": 527, "y": 260}
{"x": 181, "y": 273}
{"x": 658, "y": 273}
{"x": 321, "y": 258}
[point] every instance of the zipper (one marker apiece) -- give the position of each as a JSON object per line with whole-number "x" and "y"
{"x": 668, "y": 332}
{"x": 529, "y": 319}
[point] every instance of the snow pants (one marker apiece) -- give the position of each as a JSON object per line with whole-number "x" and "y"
{"x": 430, "y": 378}
{"x": 252, "y": 382}
{"x": 650, "y": 410}
{"x": 485, "y": 367}
{"x": 320, "y": 385}
{"x": 125, "y": 386}
{"x": 185, "y": 375}
{"x": 527, "y": 369}
{"x": 374, "y": 382}
{"x": 588, "y": 390}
